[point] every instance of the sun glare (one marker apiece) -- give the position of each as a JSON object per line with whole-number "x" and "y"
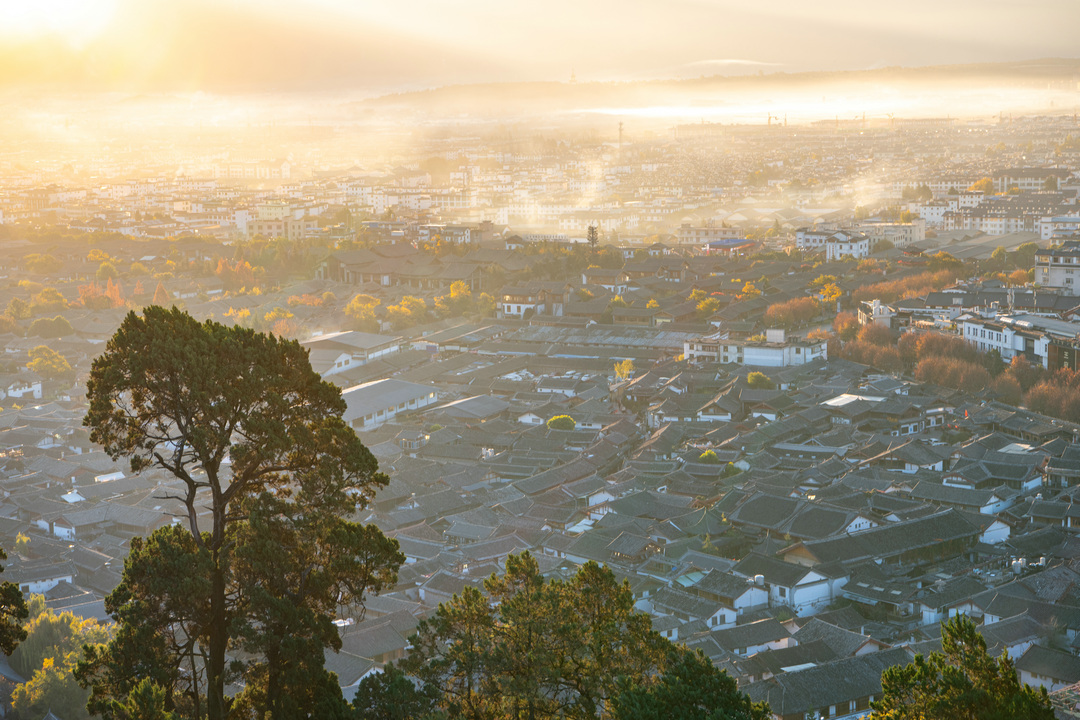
{"x": 76, "y": 21}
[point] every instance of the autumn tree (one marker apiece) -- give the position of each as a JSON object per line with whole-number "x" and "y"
{"x": 707, "y": 308}
{"x": 268, "y": 475}
{"x": 876, "y": 334}
{"x": 1008, "y": 389}
{"x": 624, "y": 370}
{"x": 908, "y": 287}
{"x": 846, "y": 326}
{"x": 53, "y": 635}
{"x": 51, "y": 689}
{"x": 942, "y": 260}
{"x": 106, "y": 271}
{"x": 457, "y": 303}
{"x": 1019, "y": 278}
{"x": 361, "y": 309}
{"x": 92, "y": 298}
{"x": 47, "y": 657}
{"x": 49, "y": 364}
{"x": 47, "y": 300}
{"x": 709, "y": 457}
{"x": 830, "y": 294}
{"x": 791, "y": 313}
{"x": 749, "y": 290}
{"x": 411, "y": 310}
{"x": 760, "y": 381}
{"x": 952, "y": 372}
{"x": 161, "y": 295}
{"x": 1025, "y": 372}
{"x": 562, "y": 422}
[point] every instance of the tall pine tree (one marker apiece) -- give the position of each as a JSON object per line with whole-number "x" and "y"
{"x": 268, "y": 474}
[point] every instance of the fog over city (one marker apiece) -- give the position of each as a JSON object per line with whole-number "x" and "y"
{"x": 546, "y": 359}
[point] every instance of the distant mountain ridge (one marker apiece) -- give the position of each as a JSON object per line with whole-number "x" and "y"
{"x": 1059, "y": 76}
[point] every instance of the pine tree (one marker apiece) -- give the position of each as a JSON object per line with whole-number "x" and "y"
{"x": 962, "y": 682}
{"x": 269, "y": 473}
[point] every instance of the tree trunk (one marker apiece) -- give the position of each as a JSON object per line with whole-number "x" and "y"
{"x": 273, "y": 683}
{"x": 218, "y": 643}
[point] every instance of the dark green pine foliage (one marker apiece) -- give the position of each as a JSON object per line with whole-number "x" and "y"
{"x": 392, "y": 695}
{"x": 691, "y": 688}
{"x": 962, "y": 682}
{"x": 269, "y": 475}
{"x": 12, "y": 612}
{"x": 535, "y": 649}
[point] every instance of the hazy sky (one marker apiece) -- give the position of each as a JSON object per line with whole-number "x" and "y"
{"x": 386, "y": 45}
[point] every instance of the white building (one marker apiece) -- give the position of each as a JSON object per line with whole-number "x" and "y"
{"x": 847, "y": 243}
{"x": 775, "y": 351}
{"x": 373, "y": 403}
{"x": 898, "y": 233}
{"x": 1051, "y": 227}
{"x": 700, "y": 235}
{"x": 1009, "y": 336}
{"x": 1028, "y": 179}
{"x": 1058, "y": 267}
{"x": 814, "y": 238}
{"x": 337, "y": 352}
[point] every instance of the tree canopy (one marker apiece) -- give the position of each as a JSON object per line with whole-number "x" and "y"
{"x": 530, "y": 647}
{"x": 269, "y": 475}
{"x": 47, "y": 657}
{"x": 537, "y": 649}
{"x": 760, "y": 381}
{"x": 962, "y": 682}
{"x": 691, "y": 688}
{"x": 12, "y": 610}
{"x": 48, "y": 363}
{"x": 562, "y": 422}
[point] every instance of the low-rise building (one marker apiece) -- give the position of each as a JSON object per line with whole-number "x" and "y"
{"x": 373, "y": 403}
{"x": 847, "y": 243}
{"x": 776, "y": 350}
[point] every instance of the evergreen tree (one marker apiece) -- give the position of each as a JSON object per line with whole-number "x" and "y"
{"x": 12, "y": 610}
{"x": 535, "y": 648}
{"x": 691, "y": 688}
{"x": 962, "y": 682}
{"x": 392, "y": 695}
{"x": 269, "y": 473}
